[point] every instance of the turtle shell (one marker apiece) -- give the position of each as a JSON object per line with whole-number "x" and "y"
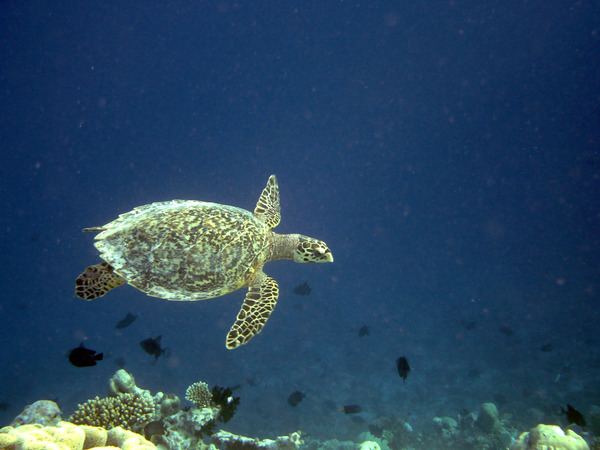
{"x": 186, "y": 250}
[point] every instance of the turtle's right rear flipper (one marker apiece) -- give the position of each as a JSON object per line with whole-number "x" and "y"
{"x": 96, "y": 281}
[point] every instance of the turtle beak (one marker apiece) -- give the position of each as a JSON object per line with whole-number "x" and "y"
{"x": 323, "y": 255}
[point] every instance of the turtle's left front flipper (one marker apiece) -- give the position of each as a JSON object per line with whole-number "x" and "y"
{"x": 257, "y": 307}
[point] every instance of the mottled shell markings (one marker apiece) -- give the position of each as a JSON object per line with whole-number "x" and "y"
{"x": 188, "y": 250}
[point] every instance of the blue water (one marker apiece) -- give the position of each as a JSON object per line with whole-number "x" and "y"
{"x": 448, "y": 152}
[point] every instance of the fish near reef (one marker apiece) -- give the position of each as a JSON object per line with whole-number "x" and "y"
{"x": 470, "y": 325}
{"x": 303, "y": 289}
{"x": 351, "y": 409}
{"x": 128, "y": 320}
{"x": 156, "y": 427}
{"x": 153, "y": 347}
{"x": 363, "y": 331}
{"x": 403, "y": 368}
{"x": 375, "y": 430}
{"x": 120, "y": 362}
{"x": 574, "y": 416}
{"x": 84, "y": 357}
{"x": 546, "y": 348}
{"x": 295, "y": 398}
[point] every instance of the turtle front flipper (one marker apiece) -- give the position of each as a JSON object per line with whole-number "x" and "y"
{"x": 268, "y": 208}
{"x": 257, "y": 307}
{"x": 96, "y": 281}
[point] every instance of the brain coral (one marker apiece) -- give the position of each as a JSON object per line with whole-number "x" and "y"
{"x": 66, "y": 436}
{"x": 130, "y": 411}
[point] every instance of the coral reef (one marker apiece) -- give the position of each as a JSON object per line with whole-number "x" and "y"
{"x": 44, "y": 412}
{"x": 131, "y": 411}
{"x": 447, "y": 427}
{"x": 369, "y": 445}
{"x": 67, "y": 436}
{"x": 229, "y": 441}
{"x": 549, "y": 437}
{"x": 199, "y": 393}
{"x": 167, "y": 404}
{"x": 127, "y": 440}
{"x": 113, "y": 422}
{"x": 487, "y": 419}
{"x": 122, "y": 382}
{"x": 186, "y": 428}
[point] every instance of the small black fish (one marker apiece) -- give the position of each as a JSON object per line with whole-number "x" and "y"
{"x": 469, "y": 325}
{"x": 4, "y": 406}
{"x": 295, "y": 398}
{"x": 156, "y": 427}
{"x": 375, "y": 430}
{"x": 120, "y": 362}
{"x": 403, "y": 368}
{"x": 84, "y": 357}
{"x": 302, "y": 289}
{"x": 152, "y": 346}
{"x": 507, "y": 331}
{"x": 128, "y": 320}
{"x": 546, "y": 348}
{"x": 351, "y": 409}
{"x": 363, "y": 331}
{"x": 574, "y": 416}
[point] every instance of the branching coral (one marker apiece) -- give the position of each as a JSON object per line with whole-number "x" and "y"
{"x": 199, "y": 393}
{"x": 130, "y": 411}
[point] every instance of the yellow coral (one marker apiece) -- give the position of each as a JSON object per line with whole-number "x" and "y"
{"x": 7, "y": 440}
{"x": 67, "y": 436}
{"x": 545, "y": 437}
{"x": 94, "y": 436}
{"x": 128, "y": 440}
{"x": 64, "y": 436}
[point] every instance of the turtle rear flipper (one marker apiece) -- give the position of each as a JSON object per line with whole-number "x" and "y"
{"x": 257, "y": 307}
{"x": 96, "y": 281}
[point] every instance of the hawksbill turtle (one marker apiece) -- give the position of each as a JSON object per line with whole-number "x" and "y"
{"x": 189, "y": 250}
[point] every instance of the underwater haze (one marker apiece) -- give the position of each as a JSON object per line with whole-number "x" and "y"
{"x": 447, "y": 151}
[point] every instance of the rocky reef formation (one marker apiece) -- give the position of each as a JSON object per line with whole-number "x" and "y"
{"x": 43, "y": 412}
{"x": 132, "y": 418}
{"x": 549, "y": 437}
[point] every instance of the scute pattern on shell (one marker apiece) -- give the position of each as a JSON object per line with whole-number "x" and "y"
{"x": 186, "y": 250}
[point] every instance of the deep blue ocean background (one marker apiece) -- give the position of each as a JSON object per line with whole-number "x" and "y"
{"x": 448, "y": 152}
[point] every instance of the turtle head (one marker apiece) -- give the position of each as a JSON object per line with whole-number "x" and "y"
{"x": 309, "y": 250}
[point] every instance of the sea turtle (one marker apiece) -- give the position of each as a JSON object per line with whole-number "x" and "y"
{"x": 188, "y": 250}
